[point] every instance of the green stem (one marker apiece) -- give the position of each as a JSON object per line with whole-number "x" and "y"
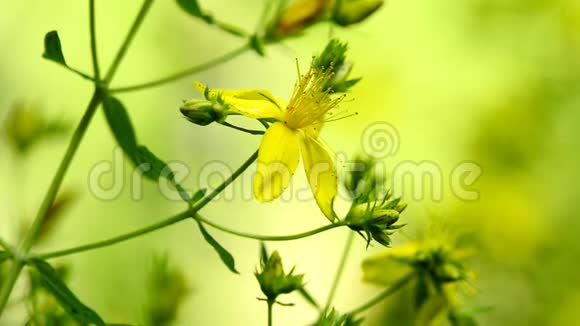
{"x": 167, "y": 222}
{"x": 80, "y": 73}
{"x": 248, "y": 131}
{"x": 98, "y": 94}
{"x": 30, "y": 236}
{"x": 340, "y": 269}
{"x": 270, "y": 306}
{"x": 268, "y": 237}
{"x": 176, "y": 76}
{"x": 383, "y": 295}
{"x": 130, "y": 36}
{"x": 96, "y": 70}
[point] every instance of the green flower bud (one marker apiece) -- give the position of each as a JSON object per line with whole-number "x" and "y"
{"x": 401, "y": 206}
{"x": 298, "y": 15}
{"x": 202, "y": 112}
{"x": 348, "y": 12}
{"x": 333, "y": 57}
{"x": 272, "y": 279}
{"x": 385, "y": 216}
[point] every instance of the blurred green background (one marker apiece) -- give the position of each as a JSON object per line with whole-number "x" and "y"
{"x": 496, "y": 82}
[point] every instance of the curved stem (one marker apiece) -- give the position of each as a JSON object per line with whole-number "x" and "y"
{"x": 30, "y": 236}
{"x": 392, "y": 289}
{"x": 96, "y": 70}
{"x": 269, "y": 237}
{"x": 159, "y": 225}
{"x": 130, "y": 36}
{"x": 176, "y": 76}
{"x": 340, "y": 269}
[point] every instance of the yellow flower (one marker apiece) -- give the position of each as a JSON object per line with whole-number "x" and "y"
{"x": 294, "y": 133}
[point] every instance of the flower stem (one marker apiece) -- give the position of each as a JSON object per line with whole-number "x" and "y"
{"x": 29, "y": 238}
{"x": 159, "y": 225}
{"x": 96, "y": 70}
{"x": 268, "y": 237}
{"x": 176, "y": 76}
{"x": 130, "y": 36}
{"x": 392, "y": 289}
{"x": 340, "y": 269}
{"x": 270, "y": 306}
{"x": 96, "y": 99}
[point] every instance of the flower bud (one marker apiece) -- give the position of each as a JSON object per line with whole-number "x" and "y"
{"x": 202, "y": 112}
{"x": 386, "y": 216}
{"x": 401, "y": 206}
{"x": 298, "y": 15}
{"x": 272, "y": 279}
{"x": 348, "y": 12}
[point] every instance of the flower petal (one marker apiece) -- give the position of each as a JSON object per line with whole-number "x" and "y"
{"x": 277, "y": 161}
{"x": 321, "y": 174}
{"x": 253, "y": 103}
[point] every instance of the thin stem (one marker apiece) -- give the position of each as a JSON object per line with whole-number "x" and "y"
{"x": 109, "y": 242}
{"x": 270, "y": 306}
{"x": 80, "y": 73}
{"x": 340, "y": 269}
{"x": 130, "y": 36}
{"x": 30, "y": 236}
{"x": 383, "y": 295}
{"x": 96, "y": 70}
{"x": 248, "y": 131}
{"x": 268, "y": 237}
{"x": 176, "y": 76}
{"x": 167, "y": 222}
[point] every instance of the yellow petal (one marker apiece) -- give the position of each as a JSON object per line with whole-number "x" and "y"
{"x": 321, "y": 173}
{"x": 277, "y": 161}
{"x": 253, "y": 103}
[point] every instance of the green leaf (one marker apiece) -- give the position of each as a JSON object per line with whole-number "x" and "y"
{"x": 225, "y": 256}
{"x": 52, "y": 48}
{"x": 121, "y": 126}
{"x": 150, "y": 165}
{"x": 197, "y": 196}
{"x": 52, "y": 282}
{"x": 192, "y": 8}
{"x": 308, "y": 297}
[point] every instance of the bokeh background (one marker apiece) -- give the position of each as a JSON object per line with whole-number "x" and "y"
{"x": 496, "y": 82}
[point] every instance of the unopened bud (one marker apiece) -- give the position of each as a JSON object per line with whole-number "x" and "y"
{"x": 202, "y": 112}
{"x": 386, "y": 216}
{"x": 401, "y": 206}
{"x": 348, "y": 12}
{"x": 299, "y": 15}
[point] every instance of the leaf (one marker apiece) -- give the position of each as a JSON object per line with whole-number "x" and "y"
{"x": 308, "y": 297}
{"x": 225, "y": 256}
{"x": 52, "y": 48}
{"x": 150, "y": 165}
{"x": 52, "y": 282}
{"x": 191, "y": 7}
{"x": 121, "y": 126}
{"x": 197, "y": 196}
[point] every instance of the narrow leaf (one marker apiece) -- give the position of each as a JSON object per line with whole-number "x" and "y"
{"x": 52, "y": 282}
{"x": 197, "y": 196}
{"x": 308, "y": 297}
{"x": 225, "y": 256}
{"x": 191, "y": 7}
{"x": 52, "y": 48}
{"x": 151, "y": 166}
{"x": 121, "y": 126}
